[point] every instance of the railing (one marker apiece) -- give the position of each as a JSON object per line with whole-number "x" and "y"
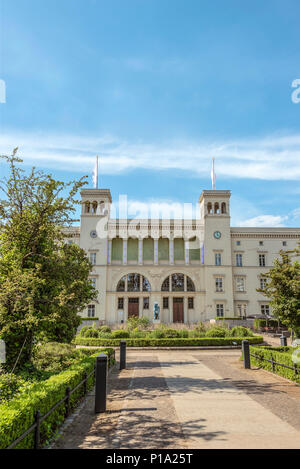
{"x": 273, "y": 363}
{"x": 40, "y": 418}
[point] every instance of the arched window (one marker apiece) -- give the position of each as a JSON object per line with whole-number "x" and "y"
{"x": 94, "y": 207}
{"x": 101, "y": 207}
{"x": 87, "y": 207}
{"x": 135, "y": 283}
{"x": 217, "y": 207}
{"x": 121, "y": 284}
{"x": 223, "y": 207}
{"x": 209, "y": 207}
{"x": 179, "y": 282}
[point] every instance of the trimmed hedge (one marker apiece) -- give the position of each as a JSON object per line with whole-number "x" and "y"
{"x": 280, "y": 355}
{"x": 89, "y": 319}
{"x": 19, "y": 414}
{"x": 177, "y": 342}
{"x": 228, "y": 318}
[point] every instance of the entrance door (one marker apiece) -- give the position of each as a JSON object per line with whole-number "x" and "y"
{"x": 178, "y": 315}
{"x": 133, "y": 307}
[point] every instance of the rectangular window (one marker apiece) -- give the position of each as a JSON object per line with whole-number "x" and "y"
{"x": 239, "y": 260}
{"x": 93, "y": 281}
{"x": 263, "y": 283}
{"x": 218, "y": 258}
{"x": 284, "y": 243}
{"x": 220, "y": 310}
{"x": 240, "y": 284}
{"x": 265, "y": 309}
{"x": 262, "y": 260}
{"x": 191, "y": 303}
{"x": 261, "y": 243}
{"x": 238, "y": 243}
{"x": 120, "y": 303}
{"x": 146, "y": 303}
{"x": 219, "y": 284}
{"x": 93, "y": 258}
{"x": 91, "y": 311}
{"x": 166, "y": 303}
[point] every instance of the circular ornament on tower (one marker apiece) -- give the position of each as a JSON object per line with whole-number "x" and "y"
{"x": 93, "y": 234}
{"x": 217, "y": 234}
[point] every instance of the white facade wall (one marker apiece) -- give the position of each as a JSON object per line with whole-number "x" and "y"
{"x": 213, "y": 230}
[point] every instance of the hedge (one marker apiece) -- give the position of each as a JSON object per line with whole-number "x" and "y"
{"x": 19, "y": 414}
{"x": 260, "y": 323}
{"x": 280, "y": 355}
{"x": 228, "y": 318}
{"x": 89, "y": 319}
{"x": 175, "y": 342}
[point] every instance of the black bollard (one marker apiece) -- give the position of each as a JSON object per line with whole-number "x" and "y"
{"x": 122, "y": 354}
{"x": 101, "y": 383}
{"x": 283, "y": 341}
{"x": 246, "y": 354}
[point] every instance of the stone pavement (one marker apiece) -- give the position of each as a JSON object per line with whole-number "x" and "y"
{"x": 189, "y": 399}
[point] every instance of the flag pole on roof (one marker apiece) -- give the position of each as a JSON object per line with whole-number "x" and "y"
{"x": 213, "y": 175}
{"x": 95, "y": 174}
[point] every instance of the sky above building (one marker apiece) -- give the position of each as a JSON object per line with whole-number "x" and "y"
{"x": 157, "y": 88}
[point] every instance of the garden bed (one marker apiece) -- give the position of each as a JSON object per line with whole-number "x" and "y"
{"x": 173, "y": 342}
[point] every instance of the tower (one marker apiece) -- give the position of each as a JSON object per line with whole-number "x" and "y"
{"x": 95, "y": 213}
{"x": 215, "y": 213}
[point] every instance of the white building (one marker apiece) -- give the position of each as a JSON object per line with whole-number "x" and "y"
{"x": 193, "y": 269}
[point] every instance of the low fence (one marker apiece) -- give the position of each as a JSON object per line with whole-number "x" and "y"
{"x": 273, "y": 363}
{"x": 100, "y": 376}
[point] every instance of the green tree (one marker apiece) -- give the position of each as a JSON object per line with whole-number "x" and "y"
{"x": 44, "y": 282}
{"x": 283, "y": 288}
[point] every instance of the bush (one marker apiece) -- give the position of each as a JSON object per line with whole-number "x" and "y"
{"x": 91, "y": 332}
{"x": 216, "y": 332}
{"x": 19, "y": 414}
{"x": 10, "y": 386}
{"x": 240, "y": 331}
{"x": 228, "y": 318}
{"x": 83, "y": 330}
{"x": 141, "y": 323}
{"x": 53, "y": 357}
{"x": 175, "y": 342}
{"x": 120, "y": 334}
{"x": 104, "y": 329}
{"x": 280, "y": 355}
{"x": 183, "y": 333}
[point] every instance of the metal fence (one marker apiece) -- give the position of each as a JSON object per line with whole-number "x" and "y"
{"x": 273, "y": 363}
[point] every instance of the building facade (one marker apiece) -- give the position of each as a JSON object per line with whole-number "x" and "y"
{"x": 188, "y": 270}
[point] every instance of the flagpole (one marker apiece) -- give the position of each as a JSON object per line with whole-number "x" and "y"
{"x": 213, "y": 176}
{"x": 97, "y": 173}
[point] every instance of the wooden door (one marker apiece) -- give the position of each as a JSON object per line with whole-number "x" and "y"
{"x": 133, "y": 307}
{"x": 178, "y": 315}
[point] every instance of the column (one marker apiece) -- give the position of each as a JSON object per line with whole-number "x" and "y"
{"x": 156, "y": 251}
{"x": 124, "y": 251}
{"x": 171, "y": 251}
{"x": 109, "y": 252}
{"x": 140, "y": 251}
{"x": 186, "y": 250}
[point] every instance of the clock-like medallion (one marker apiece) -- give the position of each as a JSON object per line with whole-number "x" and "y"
{"x": 93, "y": 234}
{"x": 217, "y": 234}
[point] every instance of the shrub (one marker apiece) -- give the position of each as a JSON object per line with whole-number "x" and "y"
{"x": 91, "y": 332}
{"x": 83, "y": 330}
{"x": 183, "y": 333}
{"x": 175, "y": 342}
{"x": 141, "y": 323}
{"x": 228, "y": 318}
{"x": 19, "y": 414}
{"x": 158, "y": 333}
{"x": 280, "y": 355}
{"x": 120, "y": 334}
{"x": 240, "y": 331}
{"x": 10, "y": 386}
{"x": 104, "y": 329}
{"x": 216, "y": 332}
{"x": 171, "y": 333}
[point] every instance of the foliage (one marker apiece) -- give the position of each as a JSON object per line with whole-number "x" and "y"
{"x": 283, "y": 287}
{"x": 240, "y": 331}
{"x": 91, "y": 332}
{"x": 120, "y": 334}
{"x": 261, "y": 323}
{"x": 216, "y": 332}
{"x": 18, "y": 414}
{"x": 228, "y": 318}
{"x": 104, "y": 329}
{"x": 10, "y": 386}
{"x": 83, "y": 330}
{"x": 280, "y": 355}
{"x": 142, "y": 323}
{"x": 175, "y": 342}
{"x": 44, "y": 282}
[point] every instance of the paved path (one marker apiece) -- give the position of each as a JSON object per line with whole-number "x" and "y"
{"x": 190, "y": 399}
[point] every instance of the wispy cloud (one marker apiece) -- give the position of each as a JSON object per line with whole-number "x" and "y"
{"x": 271, "y": 158}
{"x": 270, "y": 221}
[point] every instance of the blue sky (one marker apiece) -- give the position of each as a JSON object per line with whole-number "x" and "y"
{"x": 156, "y": 88}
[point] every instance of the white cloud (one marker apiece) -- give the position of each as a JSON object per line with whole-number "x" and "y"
{"x": 269, "y": 221}
{"x": 272, "y": 158}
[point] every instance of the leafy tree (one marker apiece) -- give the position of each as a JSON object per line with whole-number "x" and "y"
{"x": 283, "y": 287}
{"x": 43, "y": 281}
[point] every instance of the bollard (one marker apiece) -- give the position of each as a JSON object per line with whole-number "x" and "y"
{"x": 283, "y": 341}
{"x": 122, "y": 354}
{"x": 101, "y": 383}
{"x": 246, "y": 354}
